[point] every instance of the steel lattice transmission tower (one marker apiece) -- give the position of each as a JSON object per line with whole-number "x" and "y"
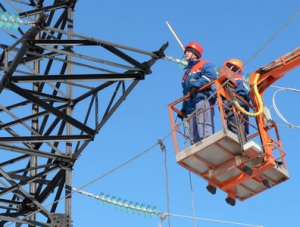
{"x": 54, "y": 99}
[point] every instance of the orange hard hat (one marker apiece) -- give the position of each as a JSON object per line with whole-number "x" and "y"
{"x": 195, "y": 46}
{"x": 235, "y": 62}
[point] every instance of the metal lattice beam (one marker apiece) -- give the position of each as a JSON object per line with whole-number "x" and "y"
{"x": 44, "y": 76}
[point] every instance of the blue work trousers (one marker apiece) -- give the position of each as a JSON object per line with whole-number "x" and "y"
{"x": 202, "y": 125}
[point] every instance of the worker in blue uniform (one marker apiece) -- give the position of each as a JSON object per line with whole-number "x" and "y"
{"x": 198, "y": 73}
{"x": 242, "y": 90}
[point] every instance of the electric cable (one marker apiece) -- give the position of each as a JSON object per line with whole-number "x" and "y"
{"x": 277, "y": 110}
{"x": 258, "y": 96}
{"x": 167, "y": 186}
{"x": 215, "y": 220}
{"x": 192, "y": 199}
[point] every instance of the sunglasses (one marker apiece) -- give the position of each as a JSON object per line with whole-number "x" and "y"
{"x": 232, "y": 67}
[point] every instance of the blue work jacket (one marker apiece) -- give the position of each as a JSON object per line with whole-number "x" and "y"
{"x": 197, "y": 77}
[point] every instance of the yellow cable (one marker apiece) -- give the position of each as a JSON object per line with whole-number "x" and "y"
{"x": 260, "y": 102}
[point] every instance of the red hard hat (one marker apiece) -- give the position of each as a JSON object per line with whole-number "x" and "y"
{"x": 195, "y": 46}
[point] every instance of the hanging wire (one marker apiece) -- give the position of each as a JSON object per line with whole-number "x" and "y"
{"x": 277, "y": 110}
{"x": 215, "y": 220}
{"x": 192, "y": 199}
{"x": 272, "y": 38}
{"x": 167, "y": 183}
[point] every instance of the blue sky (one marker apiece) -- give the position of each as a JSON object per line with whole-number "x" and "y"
{"x": 225, "y": 29}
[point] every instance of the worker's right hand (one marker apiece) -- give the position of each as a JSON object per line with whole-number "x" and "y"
{"x": 182, "y": 115}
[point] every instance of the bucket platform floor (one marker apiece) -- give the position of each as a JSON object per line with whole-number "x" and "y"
{"x": 241, "y": 171}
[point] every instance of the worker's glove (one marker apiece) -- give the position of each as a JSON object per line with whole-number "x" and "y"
{"x": 193, "y": 92}
{"x": 182, "y": 115}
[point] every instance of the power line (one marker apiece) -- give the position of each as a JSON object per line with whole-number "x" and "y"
{"x": 290, "y": 125}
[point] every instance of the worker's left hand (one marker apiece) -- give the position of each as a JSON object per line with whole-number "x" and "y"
{"x": 193, "y": 92}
